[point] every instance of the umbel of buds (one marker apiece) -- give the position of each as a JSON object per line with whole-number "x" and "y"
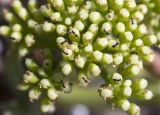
{"x": 89, "y": 36}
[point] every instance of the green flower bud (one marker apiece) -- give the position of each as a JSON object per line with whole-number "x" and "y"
{"x": 29, "y": 40}
{"x": 56, "y": 17}
{"x": 66, "y": 68}
{"x": 17, "y": 27}
{"x": 88, "y": 49}
{"x": 96, "y": 56}
{"x": 83, "y": 14}
{"x": 34, "y": 94}
{"x": 58, "y": 5}
{"x": 117, "y": 59}
{"x": 80, "y": 61}
{"x": 106, "y": 92}
{"x": 94, "y": 69}
{"x": 47, "y": 11}
{"x": 124, "y": 104}
{"x": 16, "y": 37}
{"x": 31, "y": 65}
{"x": 52, "y": 93}
{"x": 140, "y": 84}
{"x": 61, "y": 30}
{"x": 107, "y": 58}
{"x": 48, "y": 27}
{"x": 95, "y": 17}
{"x": 87, "y": 38}
{"x": 100, "y": 43}
{"x": 47, "y": 106}
{"x": 5, "y": 30}
{"x": 45, "y": 83}
{"x": 134, "y": 109}
{"x": 79, "y": 25}
{"x": 29, "y": 77}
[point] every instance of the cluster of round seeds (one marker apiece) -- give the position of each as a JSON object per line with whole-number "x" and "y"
{"x": 91, "y": 37}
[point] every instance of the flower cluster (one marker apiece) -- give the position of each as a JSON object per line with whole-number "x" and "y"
{"x": 91, "y": 36}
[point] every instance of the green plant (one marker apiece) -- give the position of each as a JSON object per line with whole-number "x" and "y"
{"x": 91, "y": 37}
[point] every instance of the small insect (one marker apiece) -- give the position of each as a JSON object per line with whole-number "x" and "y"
{"x": 63, "y": 42}
{"x": 72, "y": 32}
{"x": 116, "y": 44}
{"x": 85, "y": 80}
{"x": 133, "y": 52}
{"x": 65, "y": 53}
{"x": 132, "y": 21}
{"x": 62, "y": 82}
{"x": 106, "y": 31}
{"x": 117, "y": 79}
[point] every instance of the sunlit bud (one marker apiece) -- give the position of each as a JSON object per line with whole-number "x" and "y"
{"x": 87, "y": 37}
{"x": 134, "y": 109}
{"x": 100, "y": 43}
{"x": 47, "y": 106}
{"x": 120, "y": 27}
{"x": 46, "y": 10}
{"x": 96, "y": 56}
{"x": 94, "y": 69}
{"x": 88, "y": 48}
{"x": 31, "y": 65}
{"x": 130, "y": 5}
{"x": 107, "y": 58}
{"x": 79, "y": 25}
{"x": 5, "y": 30}
{"x": 31, "y": 23}
{"x": 126, "y": 91}
{"x": 56, "y": 16}
{"x": 68, "y": 21}
{"x": 106, "y": 92}
{"x": 17, "y": 27}
{"x": 74, "y": 47}
{"x": 124, "y": 14}
{"x": 80, "y": 61}
{"x": 66, "y": 68}
{"x": 52, "y": 93}
{"x": 61, "y": 29}
{"x": 30, "y": 77}
{"x": 140, "y": 84}
{"x": 16, "y": 37}
{"x": 124, "y": 104}
{"x": 58, "y": 5}
{"x": 138, "y": 16}
{"x": 95, "y": 17}
{"x": 73, "y": 9}
{"x": 127, "y": 83}
{"x": 34, "y": 94}
{"x": 143, "y": 8}
{"x": 117, "y": 59}
{"x": 45, "y": 83}
{"x": 29, "y": 40}
{"x": 48, "y": 27}
{"x": 22, "y": 51}
{"x": 83, "y": 14}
